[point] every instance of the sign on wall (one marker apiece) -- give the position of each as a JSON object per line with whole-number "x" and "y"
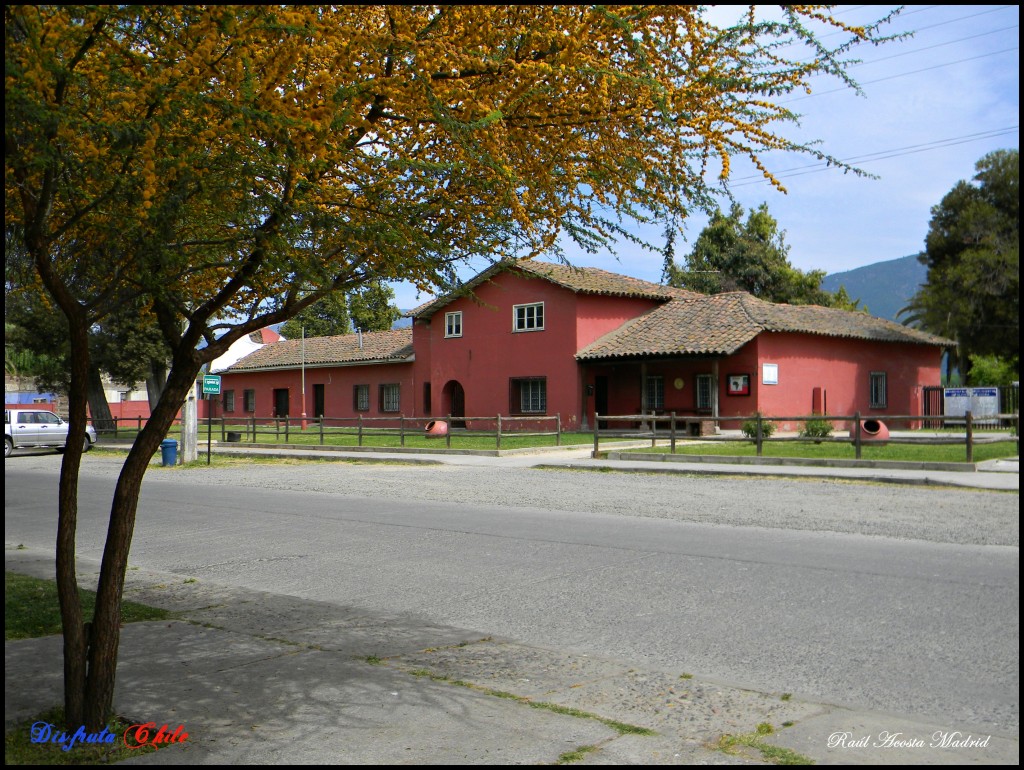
{"x": 983, "y": 403}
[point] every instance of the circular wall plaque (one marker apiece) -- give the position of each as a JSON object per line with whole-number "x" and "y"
{"x": 678, "y": 383}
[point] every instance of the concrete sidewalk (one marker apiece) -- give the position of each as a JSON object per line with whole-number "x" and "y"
{"x": 263, "y": 678}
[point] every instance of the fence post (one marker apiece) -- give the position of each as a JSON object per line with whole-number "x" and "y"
{"x": 253, "y": 439}
{"x": 320, "y": 420}
{"x": 223, "y": 428}
{"x": 672, "y": 433}
{"x": 760, "y": 435}
{"x": 138, "y": 426}
{"x": 594, "y": 454}
{"x": 448, "y": 433}
{"x": 359, "y": 433}
{"x": 970, "y": 436}
{"x": 856, "y": 434}
{"x": 401, "y": 430}
{"x": 287, "y": 424}
{"x": 499, "y": 432}
{"x": 558, "y": 429}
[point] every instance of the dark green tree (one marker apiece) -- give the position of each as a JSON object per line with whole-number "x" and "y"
{"x": 733, "y": 254}
{"x": 324, "y": 318}
{"x": 972, "y": 294}
{"x": 373, "y": 309}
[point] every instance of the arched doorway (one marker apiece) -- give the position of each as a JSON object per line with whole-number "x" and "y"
{"x": 455, "y": 402}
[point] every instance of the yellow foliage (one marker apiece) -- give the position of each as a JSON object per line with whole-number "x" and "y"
{"x": 313, "y": 145}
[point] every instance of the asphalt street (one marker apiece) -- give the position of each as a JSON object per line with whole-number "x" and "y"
{"x": 868, "y": 597}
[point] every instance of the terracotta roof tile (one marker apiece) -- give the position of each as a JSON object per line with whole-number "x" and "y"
{"x": 721, "y": 324}
{"x": 581, "y": 280}
{"x": 394, "y": 345}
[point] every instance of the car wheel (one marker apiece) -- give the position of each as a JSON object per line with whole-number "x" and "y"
{"x": 86, "y": 444}
{"x": 8, "y": 447}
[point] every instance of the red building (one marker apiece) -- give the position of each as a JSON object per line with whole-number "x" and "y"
{"x": 533, "y": 338}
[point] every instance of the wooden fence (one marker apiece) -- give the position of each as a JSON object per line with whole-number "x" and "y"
{"x": 681, "y": 428}
{"x": 283, "y": 429}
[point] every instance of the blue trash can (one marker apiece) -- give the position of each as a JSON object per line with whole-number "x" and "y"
{"x": 169, "y": 451}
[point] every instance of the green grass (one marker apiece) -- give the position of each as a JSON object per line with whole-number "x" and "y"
{"x": 776, "y": 755}
{"x": 843, "y": 450}
{"x": 377, "y": 437}
{"x": 31, "y": 608}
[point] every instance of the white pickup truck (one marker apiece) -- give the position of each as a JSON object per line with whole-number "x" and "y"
{"x": 39, "y": 428}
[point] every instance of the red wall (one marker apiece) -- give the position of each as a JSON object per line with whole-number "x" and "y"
{"x": 842, "y": 368}
{"x": 489, "y": 353}
{"x": 338, "y": 382}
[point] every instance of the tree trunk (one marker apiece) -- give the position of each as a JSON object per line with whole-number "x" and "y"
{"x": 156, "y": 381}
{"x": 102, "y": 419}
{"x": 72, "y": 620}
{"x": 106, "y": 628}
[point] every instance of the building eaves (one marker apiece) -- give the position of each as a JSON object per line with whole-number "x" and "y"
{"x": 721, "y": 324}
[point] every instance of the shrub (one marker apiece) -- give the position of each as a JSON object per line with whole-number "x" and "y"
{"x": 819, "y": 427}
{"x": 749, "y": 428}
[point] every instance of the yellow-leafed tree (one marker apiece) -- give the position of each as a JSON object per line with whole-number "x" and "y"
{"x": 223, "y": 167}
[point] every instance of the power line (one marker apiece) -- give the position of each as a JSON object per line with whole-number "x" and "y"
{"x": 912, "y": 149}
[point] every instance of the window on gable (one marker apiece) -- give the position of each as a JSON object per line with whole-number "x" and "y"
{"x": 528, "y": 395}
{"x": 528, "y": 318}
{"x": 361, "y": 398}
{"x": 879, "y": 391}
{"x": 453, "y": 324}
{"x": 389, "y": 397}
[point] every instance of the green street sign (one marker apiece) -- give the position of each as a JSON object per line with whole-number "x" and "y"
{"x": 211, "y": 384}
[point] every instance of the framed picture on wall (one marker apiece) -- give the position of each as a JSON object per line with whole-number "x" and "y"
{"x": 739, "y": 385}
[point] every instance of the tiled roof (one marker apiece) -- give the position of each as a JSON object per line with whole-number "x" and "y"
{"x": 394, "y": 345}
{"x": 721, "y": 324}
{"x": 581, "y": 280}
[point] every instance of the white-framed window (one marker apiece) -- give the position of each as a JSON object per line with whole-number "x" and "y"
{"x": 655, "y": 387}
{"x": 705, "y": 386}
{"x": 249, "y": 400}
{"x": 879, "y": 391}
{"x": 229, "y": 400}
{"x": 528, "y": 318}
{"x": 528, "y": 395}
{"x": 361, "y": 398}
{"x": 769, "y": 374}
{"x": 389, "y": 397}
{"x": 453, "y": 324}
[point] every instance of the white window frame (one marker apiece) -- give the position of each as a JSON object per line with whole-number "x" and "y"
{"x": 525, "y": 317}
{"x": 453, "y": 324}
{"x": 704, "y": 386}
{"x": 878, "y": 390}
{"x": 390, "y": 397}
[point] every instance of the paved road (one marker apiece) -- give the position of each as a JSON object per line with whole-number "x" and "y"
{"x": 768, "y": 584}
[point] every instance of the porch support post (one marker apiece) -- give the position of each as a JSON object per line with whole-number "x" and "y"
{"x": 643, "y": 392}
{"x": 714, "y": 391}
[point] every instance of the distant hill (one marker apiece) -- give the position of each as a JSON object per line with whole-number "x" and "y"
{"x": 884, "y": 287}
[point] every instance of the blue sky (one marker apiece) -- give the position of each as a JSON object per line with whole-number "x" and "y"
{"x": 933, "y": 105}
